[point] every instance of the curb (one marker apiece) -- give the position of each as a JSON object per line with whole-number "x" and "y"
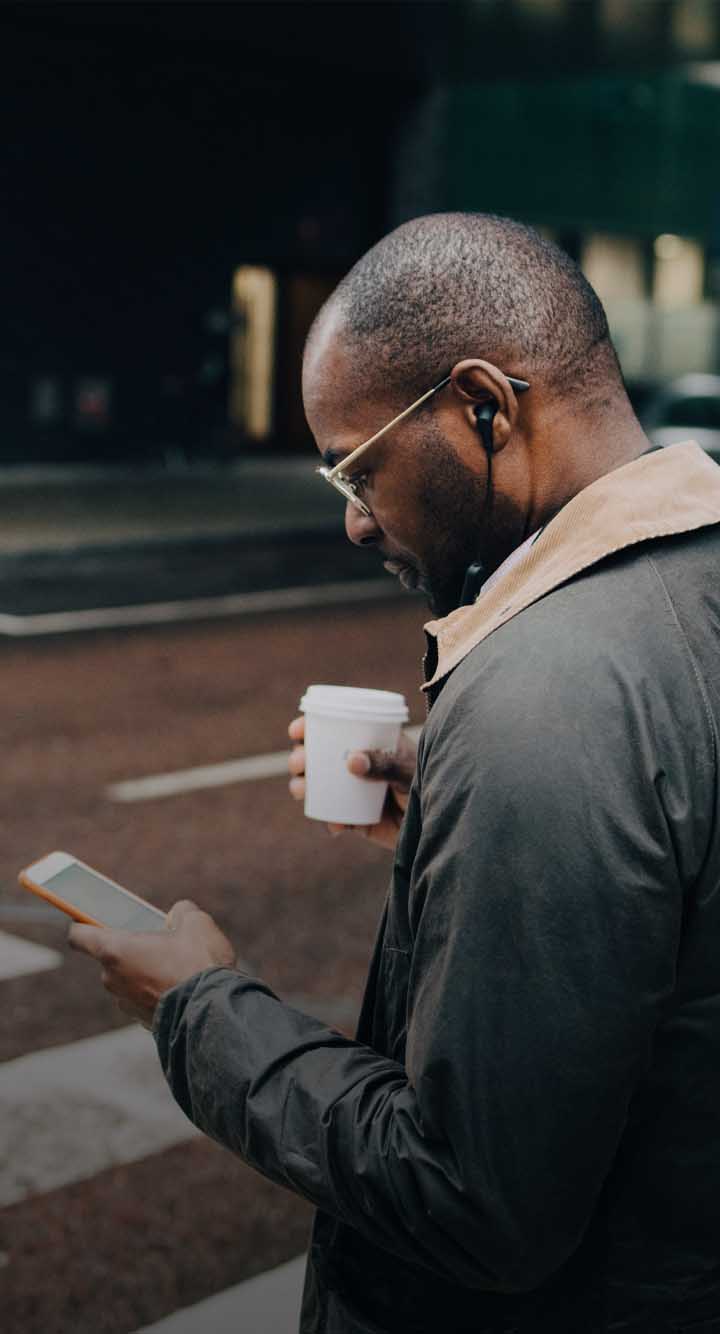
{"x": 274, "y": 530}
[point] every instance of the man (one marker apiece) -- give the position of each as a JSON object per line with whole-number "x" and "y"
{"x": 525, "y": 1135}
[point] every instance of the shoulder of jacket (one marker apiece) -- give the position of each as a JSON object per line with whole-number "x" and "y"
{"x": 610, "y": 621}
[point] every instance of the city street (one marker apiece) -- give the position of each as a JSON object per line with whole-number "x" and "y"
{"x": 113, "y": 1212}
{"x": 262, "y": 332}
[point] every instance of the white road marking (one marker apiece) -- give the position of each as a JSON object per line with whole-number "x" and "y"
{"x": 266, "y": 1304}
{"x": 205, "y": 775}
{"x": 18, "y": 957}
{"x": 27, "y": 912}
{"x": 253, "y": 767}
{"x": 197, "y": 609}
{"x": 70, "y": 1112}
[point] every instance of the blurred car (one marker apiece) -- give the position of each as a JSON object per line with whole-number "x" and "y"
{"x": 686, "y": 409}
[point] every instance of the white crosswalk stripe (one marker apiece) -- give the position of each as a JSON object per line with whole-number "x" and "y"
{"x": 202, "y": 776}
{"x": 69, "y": 1112}
{"x": 245, "y": 770}
{"x": 72, "y": 1111}
{"x": 18, "y": 957}
{"x": 267, "y": 1304}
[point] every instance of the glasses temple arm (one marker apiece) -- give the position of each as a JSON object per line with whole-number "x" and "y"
{"x": 518, "y": 385}
{"x": 356, "y": 453}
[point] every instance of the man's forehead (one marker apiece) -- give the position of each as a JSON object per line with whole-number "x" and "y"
{"x": 327, "y": 364}
{"x": 341, "y": 400}
{"x": 331, "y": 359}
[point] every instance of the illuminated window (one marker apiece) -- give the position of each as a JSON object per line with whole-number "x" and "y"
{"x": 707, "y": 72}
{"x": 252, "y": 351}
{"x": 694, "y": 24}
{"x": 614, "y": 266}
{"x": 679, "y": 271}
{"x": 618, "y": 17}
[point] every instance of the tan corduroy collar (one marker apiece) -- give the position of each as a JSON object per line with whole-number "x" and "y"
{"x": 672, "y": 490}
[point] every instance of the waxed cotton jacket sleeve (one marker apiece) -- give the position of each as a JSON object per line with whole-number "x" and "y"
{"x": 537, "y": 903}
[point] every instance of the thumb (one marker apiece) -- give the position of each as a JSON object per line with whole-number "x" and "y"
{"x": 382, "y": 765}
{"x": 180, "y": 911}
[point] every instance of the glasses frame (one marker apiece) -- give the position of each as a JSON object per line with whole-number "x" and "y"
{"x": 347, "y": 488}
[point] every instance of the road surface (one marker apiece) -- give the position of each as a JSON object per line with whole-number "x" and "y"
{"x": 113, "y": 1212}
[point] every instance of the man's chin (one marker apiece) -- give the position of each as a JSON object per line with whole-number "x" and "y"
{"x": 408, "y": 576}
{"x": 440, "y": 601}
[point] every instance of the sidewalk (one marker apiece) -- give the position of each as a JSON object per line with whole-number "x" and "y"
{"x": 79, "y": 538}
{"x": 71, "y": 509}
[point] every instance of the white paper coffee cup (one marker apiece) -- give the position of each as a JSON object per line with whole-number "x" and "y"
{"x": 338, "y": 720}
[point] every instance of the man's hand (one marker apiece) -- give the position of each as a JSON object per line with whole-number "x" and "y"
{"x": 375, "y": 765}
{"x": 138, "y": 966}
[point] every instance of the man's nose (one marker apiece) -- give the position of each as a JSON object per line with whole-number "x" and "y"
{"x": 361, "y": 528}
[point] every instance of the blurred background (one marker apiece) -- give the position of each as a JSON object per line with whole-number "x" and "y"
{"x": 182, "y": 186}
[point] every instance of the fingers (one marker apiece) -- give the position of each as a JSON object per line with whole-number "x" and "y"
{"x": 296, "y": 766}
{"x": 396, "y": 768}
{"x": 92, "y": 940}
{"x": 364, "y": 830}
{"x": 296, "y": 760}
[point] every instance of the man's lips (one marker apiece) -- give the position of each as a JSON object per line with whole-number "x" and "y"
{"x": 407, "y": 574}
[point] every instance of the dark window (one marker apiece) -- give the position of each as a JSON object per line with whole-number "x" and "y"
{"x": 693, "y": 412}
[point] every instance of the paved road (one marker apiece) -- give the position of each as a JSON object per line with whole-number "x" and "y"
{"x": 115, "y": 1214}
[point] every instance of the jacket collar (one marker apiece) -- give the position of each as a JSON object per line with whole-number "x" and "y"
{"x": 671, "y": 490}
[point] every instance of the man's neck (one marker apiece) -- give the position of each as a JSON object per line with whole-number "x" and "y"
{"x": 572, "y": 459}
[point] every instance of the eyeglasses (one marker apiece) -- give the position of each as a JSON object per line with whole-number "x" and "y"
{"x": 348, "y": 488}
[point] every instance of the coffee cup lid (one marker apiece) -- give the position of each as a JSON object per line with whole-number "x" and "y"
{"x": 355, "y": 702}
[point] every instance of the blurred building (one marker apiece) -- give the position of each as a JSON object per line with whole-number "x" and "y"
{"x": 184, "y": 184}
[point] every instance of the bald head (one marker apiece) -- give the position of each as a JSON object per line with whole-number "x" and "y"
{"x": 465, "y": 299}
{"x": 454, "y": 285}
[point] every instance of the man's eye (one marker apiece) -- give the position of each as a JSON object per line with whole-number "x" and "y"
{"x": 358, "y": 479}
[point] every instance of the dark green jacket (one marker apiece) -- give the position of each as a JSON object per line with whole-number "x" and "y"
{"x": 525, "y": 1135}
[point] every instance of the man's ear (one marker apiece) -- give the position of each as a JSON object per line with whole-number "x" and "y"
{"x": 489, "y": 399}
